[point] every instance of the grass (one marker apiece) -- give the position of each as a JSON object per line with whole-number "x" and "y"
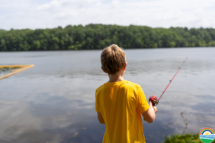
{"x": 7, "y": 69}
{"x": 187, "y": 138}
{"x": 13, "y": 69}
{"x": 4, "y": 69}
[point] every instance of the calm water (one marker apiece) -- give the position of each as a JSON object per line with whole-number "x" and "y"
{"x": 54, "y": 101}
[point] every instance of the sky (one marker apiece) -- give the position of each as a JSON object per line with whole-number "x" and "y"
{"x": 34, "y": 14}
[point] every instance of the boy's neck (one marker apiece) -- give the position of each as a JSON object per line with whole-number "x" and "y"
{"x": 119, "y": 76}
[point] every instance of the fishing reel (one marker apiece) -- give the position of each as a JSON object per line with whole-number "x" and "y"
{"x": 154, "y": 100}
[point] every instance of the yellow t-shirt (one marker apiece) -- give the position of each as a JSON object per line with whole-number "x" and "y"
{"x": 121, "y": 104}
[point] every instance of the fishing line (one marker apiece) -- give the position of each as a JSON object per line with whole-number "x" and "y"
{"x": 156, "y": 100}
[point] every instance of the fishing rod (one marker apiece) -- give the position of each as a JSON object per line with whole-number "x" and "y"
{"x": 156, "y": 100}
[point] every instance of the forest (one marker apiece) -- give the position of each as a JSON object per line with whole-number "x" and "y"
{"x": 99, "y": 36}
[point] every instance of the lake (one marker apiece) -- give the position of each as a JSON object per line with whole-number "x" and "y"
{"x": 54, "y": 101}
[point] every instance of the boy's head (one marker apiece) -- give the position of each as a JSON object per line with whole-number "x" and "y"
{"x": 112, "y": 59}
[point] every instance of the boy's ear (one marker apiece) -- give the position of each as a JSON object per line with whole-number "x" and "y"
{"x": 124, "y": 67}
{"x": 103, "y": 70}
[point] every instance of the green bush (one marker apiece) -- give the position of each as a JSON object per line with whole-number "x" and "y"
{"x": 188, "y": 138}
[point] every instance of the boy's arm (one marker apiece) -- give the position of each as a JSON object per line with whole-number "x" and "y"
{"x": 100, "y": 118}
{"x": 149, "y": 115}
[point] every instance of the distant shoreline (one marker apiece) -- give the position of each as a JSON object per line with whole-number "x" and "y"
{"x": 98, "y": 36}
{"x": 104, "y": 47}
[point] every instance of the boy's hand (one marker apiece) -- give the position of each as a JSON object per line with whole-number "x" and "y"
{"x": 155, "y": 108}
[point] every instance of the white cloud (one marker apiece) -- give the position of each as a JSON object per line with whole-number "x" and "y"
{"x": 154, "y": 13}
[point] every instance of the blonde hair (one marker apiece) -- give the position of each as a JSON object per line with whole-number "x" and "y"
{"x": 112, "y": 59}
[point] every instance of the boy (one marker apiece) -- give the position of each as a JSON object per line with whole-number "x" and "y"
{"x": 120, "y": 103}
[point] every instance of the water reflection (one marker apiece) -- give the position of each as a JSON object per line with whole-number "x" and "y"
{"x": 54, "y": 101}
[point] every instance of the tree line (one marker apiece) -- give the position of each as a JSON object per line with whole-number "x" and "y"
{"x": 98, "y": 36}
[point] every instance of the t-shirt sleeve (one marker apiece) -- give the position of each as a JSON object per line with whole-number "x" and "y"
{"x": 97, "y": 105}
{"x": 142, "y": 103}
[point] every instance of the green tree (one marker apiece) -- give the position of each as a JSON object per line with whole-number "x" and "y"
{"x": 3, "y": 46}
{"x": 98, "y": 36}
